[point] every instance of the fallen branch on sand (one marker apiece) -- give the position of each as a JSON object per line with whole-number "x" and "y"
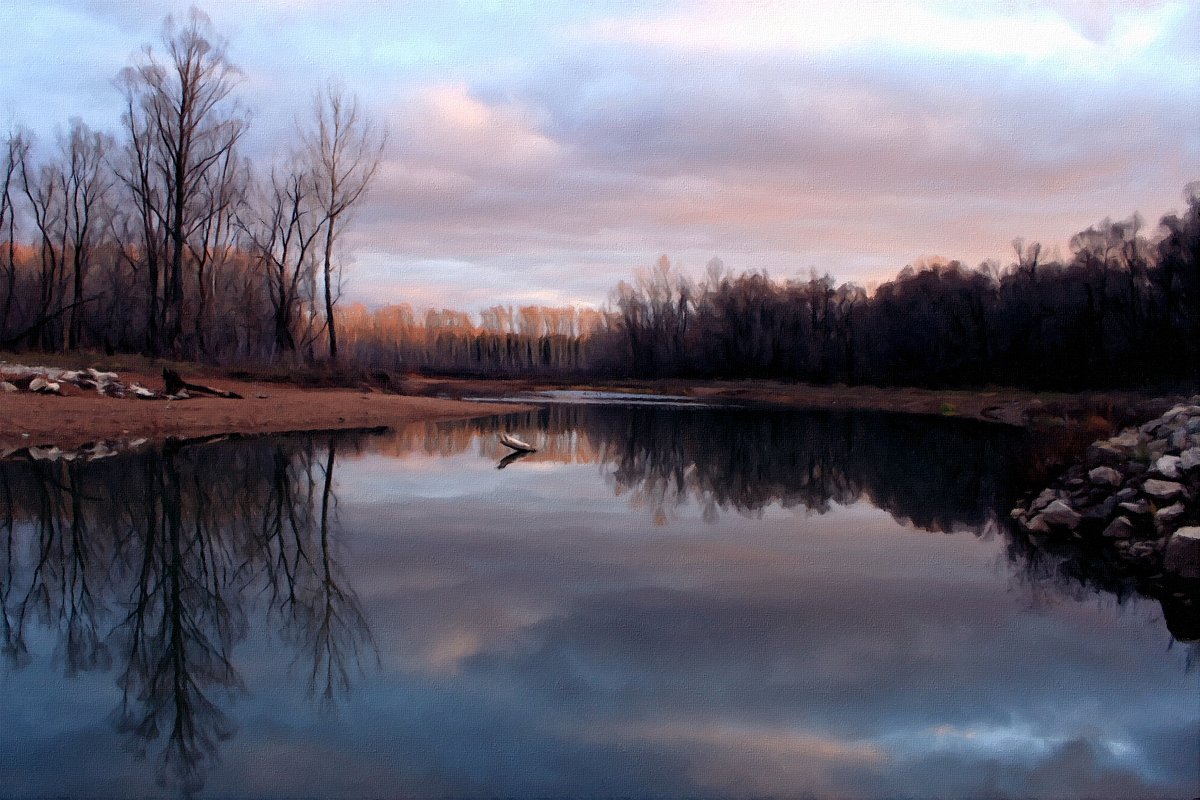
{"x": 174, "y": 384}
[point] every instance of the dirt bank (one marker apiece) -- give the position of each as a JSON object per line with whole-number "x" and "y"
{"x": 83, "y": 416}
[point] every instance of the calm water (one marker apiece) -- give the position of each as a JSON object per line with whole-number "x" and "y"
{"x": 662, "y": 602}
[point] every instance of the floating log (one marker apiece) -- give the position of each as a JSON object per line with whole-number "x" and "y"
{"x": 508, "y": 440}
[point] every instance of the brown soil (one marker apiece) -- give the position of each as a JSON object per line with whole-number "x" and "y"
{"x": 84, "y": 416}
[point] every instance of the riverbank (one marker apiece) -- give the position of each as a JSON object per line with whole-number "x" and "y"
{"x": 81, "y": 416}
{"x": 279, "y": 400}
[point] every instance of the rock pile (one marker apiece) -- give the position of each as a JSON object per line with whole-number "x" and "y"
{"x": 92, "y": 451}
{"x": 1137, "y": 492}
{"x": 50, "y": 380}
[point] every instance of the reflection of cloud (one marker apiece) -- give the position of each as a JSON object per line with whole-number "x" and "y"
{"x": 747, "y": 759}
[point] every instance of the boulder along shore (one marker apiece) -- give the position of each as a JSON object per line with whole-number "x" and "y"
{"x": 1135, "y": 495}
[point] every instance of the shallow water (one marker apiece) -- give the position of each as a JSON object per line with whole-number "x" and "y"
{"x": 660, "y": 602}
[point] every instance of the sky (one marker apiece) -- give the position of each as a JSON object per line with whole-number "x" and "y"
{"x": 539, "y": 152}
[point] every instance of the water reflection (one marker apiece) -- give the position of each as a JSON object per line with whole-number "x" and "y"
{"x": 948, "y": 476}
{"x": 152, "y": 563}
{"x": 532, "y": 650}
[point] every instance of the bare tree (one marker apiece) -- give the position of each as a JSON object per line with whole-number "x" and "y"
{"x": 87, "y": 184}
{"x": 183, "y": 126}
{"x": 344, "y": 150}
{"x": 16, "y": 149}
{"x": 283, "y": 231}
{"x": 45, "y": 189}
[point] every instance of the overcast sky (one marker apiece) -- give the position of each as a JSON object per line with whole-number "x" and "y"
{"x": 541, "y": 151}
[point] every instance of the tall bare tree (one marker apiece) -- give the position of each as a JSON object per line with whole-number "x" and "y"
{"x": 87, "y": 185}
{"x": 283, "y": 231}
{"x": 183, "y": 125}
{"x": 344, "y": 148}
{"x": 16, "y": 148}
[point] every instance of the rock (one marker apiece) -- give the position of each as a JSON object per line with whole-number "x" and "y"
{"x": 1138, "y": 507}
{"x": 1179, "y": 439}
{"x": 1119, "y": 528}
{"x": 1174, "y": 412}
{"x": 1102, "y": 510}
{"x": 1126, "y": 440}
{"x": 1193, "y": 425}
{"x": 101, "y": 377}
{"x": 1143, "y": 551}
{"x": 1183, "y": 553}
{"x": 1167, "y": 466}
{"x": 1044, "y": 499}
{"x": 1188, "y": 460}
{"x": 7, "y": 387}
{"x": 1165, "y": 518}
{"x": 1104, "y": 476}
{"x": 1126, "y": 494}
{"x": 43, "y": 386}
{"x": 1162, "y": 490}
{"x": 1060, "y": 515}
{"x": 1038, "y": 525}
{"x": 1105, "y": 454}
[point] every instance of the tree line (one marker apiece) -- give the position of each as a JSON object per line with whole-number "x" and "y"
{"x": 1122, "y": 310}
{"x": 165, "y": 239}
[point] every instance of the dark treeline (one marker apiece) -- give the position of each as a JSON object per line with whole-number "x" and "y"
{"x": 1123, "y": 310}
{"x": 151, "y": 566}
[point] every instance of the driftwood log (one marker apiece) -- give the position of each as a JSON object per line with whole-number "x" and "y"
{"x": 173, "y": 383}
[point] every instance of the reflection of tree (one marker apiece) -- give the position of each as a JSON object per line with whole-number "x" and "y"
{"x": 153, "y": 560}
{"x": 1078, "y": 567}
{"x": 938, "y": 475}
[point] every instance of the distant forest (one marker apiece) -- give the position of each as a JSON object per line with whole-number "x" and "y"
{"x": 165, "y": 240}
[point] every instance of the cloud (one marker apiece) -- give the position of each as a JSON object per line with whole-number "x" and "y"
{"x": 544, "y": 150}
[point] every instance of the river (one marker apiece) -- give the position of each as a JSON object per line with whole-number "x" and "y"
{"x": 661, "y": 602}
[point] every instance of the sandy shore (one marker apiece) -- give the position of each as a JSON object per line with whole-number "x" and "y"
{"x": 84, "y": 416}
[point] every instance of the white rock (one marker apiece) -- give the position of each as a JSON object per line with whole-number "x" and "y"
{"x": 1189, "y": 459}
{"x": 101, "y": 377}
{"x": 1168, "y": 516}
{"x": 1059, "y": 514}
{"x": 1126, "y": 440}
{"x": 1167, "y": 466}
{"x": 7, "y": 387}
{"x": 45, "y": 453}
{"x": 1163, "y": 490}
